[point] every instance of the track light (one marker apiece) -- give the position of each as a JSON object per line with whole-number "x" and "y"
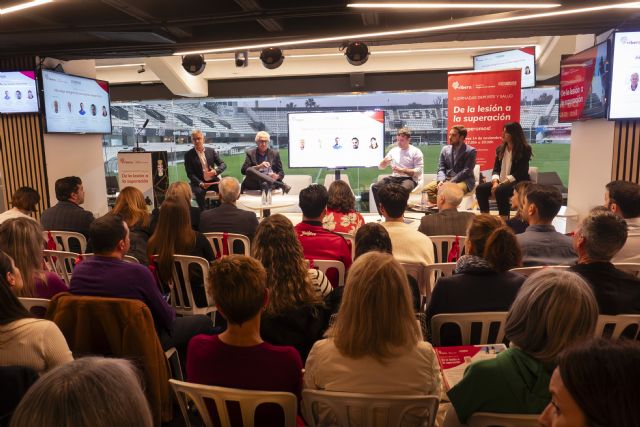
{"x": 271, "y": 57}
{"x": 242, "y": 59}
{"x": 193, "y": 64}
{"x": 357, "y": 53}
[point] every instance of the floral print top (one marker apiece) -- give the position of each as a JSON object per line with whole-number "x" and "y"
{"x": 342, "y": 222}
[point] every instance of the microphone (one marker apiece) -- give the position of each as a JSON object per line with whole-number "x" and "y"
{"x": 146, "y": 122}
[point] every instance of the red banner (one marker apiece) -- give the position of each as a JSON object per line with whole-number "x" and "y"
{"x": 483, "y": 102}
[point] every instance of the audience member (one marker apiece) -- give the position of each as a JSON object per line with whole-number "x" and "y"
{"x": 482, "y": 280}
{"x": 595, "y": 384}
{"x": 131, "y": 207}
{"x": 518, "y": 224}
{"x": 24, "y": 202}
{"x": 409, "y": 246}
{"x": 623, "y": 199}
{"x": 21, "y": 238}
{"x": 341, "y": 215}
{"x": 174, "y": 236}
{"x": 107, "y": 275}
{"x": 553, "y": 310}
{"x": 88, "y": 392}
{"x": 238, "y": 357}
{"x": 541, "y": 244}
{"x": 67, "y": 215}
{"x": 598, "y": 238}
{"x": 448, "y": 221}
{"x": 203, "y": 166}
{"x": 179, "y": 190}
{"x": 317, "y": 242}
{"x": 24, "y": 340}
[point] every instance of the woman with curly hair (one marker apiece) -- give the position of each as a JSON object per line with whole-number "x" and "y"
{"x": 341, "y": 215}
{"x": 131, "y": 207}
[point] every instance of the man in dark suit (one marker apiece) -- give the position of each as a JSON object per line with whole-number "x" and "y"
{"x": 262, "y": 166}
{"x": 203, "y": 166}
{"x": 448, "y": 221}
{"x": 457, "y": 161}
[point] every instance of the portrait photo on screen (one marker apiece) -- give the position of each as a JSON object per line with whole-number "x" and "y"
{"x": 625, "y": 70}
{"x": 18, "y": 92}
{"x": 523, "y": 59}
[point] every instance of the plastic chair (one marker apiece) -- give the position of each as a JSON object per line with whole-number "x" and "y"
{"x": 469, "y": 200}
{"x": 60, "y": 262}
{"x": 351, "y": 238}
{"x": 528, "y": 271}
{"x": 464, "y": 322}
{"x": 325, "y": 265}
{"x": 442, "y": 245}
{"x": 217, "y": 241}
{"x": 63, "y": 239}
{"x": 127, "y": 258}
{"x": 629, "y": 267}
{"x": 620, "y": 323}
{"x": 489, "y": 419}
{"x": 36, "y": 306}
{"x": 421, "y": 274}
{"x": 180, "y": 286}
{"x": 297, "y": 182}
{"x": 373, "y": 409}
{"x": 249, "y": 400}
{"x": 436, "y": 271}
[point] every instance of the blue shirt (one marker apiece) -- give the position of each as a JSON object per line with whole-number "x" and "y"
{"x": 543, "y": 245}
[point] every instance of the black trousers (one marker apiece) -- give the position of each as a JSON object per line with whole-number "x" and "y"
{"x": 256, "y": 179}
{"x": 404, "y": 181}
{"x": 199, "y": 193}
{"x": 503, "y": 197}
{"x": 183, "y": 329}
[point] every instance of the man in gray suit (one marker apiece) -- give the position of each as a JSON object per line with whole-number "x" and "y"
{"x": 262, "y": 166}
{"x": 448, "y": 221}
{"x": 457, "y": 161}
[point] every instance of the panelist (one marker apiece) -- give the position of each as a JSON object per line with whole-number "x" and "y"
{"x": 203, "y": 166}
{"x": 262, "y": 166}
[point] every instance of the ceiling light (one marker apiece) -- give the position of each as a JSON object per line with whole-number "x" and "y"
{"x": 22, "y": 6}
{"x": 120, "y": 65}
{"x": 419, "y": 30}
{"x": 454, "y": 5}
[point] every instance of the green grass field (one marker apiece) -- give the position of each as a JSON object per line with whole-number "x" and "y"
{"x": 547, "y": 157}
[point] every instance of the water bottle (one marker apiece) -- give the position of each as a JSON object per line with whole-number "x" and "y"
{"x": 269, "y": 196}
{"x": 264, "y": 196}
{"x": 424, "y": 201}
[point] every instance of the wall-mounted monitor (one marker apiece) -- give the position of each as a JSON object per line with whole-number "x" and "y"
{"x": 336, "y": 139}
{"x": 625, "y": 70}
{"x": 523, "y": 58}
{"x": 583, "y": 84}
{"x": 18, "y": 92}
{"x": 75, "y": 104}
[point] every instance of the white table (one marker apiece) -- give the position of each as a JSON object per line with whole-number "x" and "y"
{"x": 254, "y": 203}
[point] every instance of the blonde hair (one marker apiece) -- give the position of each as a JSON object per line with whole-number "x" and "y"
{"x": 22, "y": 240}
{"x": 262, "y": 134}
{"x": 131, "y": 207}
{"x": 376, "y": 316}
{"x": 180, "y": 190}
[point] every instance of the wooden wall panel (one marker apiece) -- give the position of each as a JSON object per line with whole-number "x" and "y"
{"x": 626, "y": 151}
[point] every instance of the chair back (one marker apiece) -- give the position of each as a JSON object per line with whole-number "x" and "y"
{"x": 421, "y": 274}
{"x": 374, "y": 410}
{"x": 127, "y": 258}
{"x": 614, "y": 326}
{"x": 436, "y": 271}
{"x": 464, "y": 321}
{"x": 36, "y": 306}
{"x": 352, "y": 239}
{"x": 528, "y": 271}
{"x": 632, "y": 268}
{"x": 297, "y": 183}
{"x": 443, "y": 244}
{"x": 248, "y": 400}
{"x": 224, "y": 242}
{"x": 64, "y": 238}
{"x": 488, "y": 419}
{"x": 60, "y": 262}
{"x": 325, "y": 265}
{"x": 180, "y": 288}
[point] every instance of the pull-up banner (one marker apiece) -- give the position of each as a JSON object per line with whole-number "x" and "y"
{"x": 483, "y": 102}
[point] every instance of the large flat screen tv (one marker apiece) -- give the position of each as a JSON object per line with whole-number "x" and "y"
{"x": 523, "y": 58}
{"x": 336, "y": 139}
{"x": 18, "y": 92}
{"x": 583, "y": 84}
{"x": 625, "y": 69}
{"x": 75, "y": 104}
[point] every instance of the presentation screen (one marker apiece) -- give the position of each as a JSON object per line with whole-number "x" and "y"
{"x": 18, "y": 92}
{"x": 583, "y": 84}
{"x": 336, "y": 139}
{"x": 75, "y": 104}
{"x": 523, "y": 58}
{"x": 625, "y": 91}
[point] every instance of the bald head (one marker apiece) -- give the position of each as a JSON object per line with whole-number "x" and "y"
{"x": 229, "y": 189}
{"x": 449, "y": 196}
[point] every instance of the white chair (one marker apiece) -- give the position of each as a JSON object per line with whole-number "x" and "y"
{"x": 469, "y": 199}
{"x": 629, "y": 267}
{"x": 421, "y": 274}
{"x": 489, "y": 419}
{"x": 528, "y": 271}
{"x": 372, "y": 410}
{"x": 41, "y": 305}
{"x": 63, "y": 238}
{"x": 249, "y": 400}
{"x": 351, "y": 238}
{"x": 217, "y": 241}
{"x": 330, "y": 177}
{"x": 438, "y": 270}
{"x": 442, "y": 245}
{"x": 60, "y": 262}
{"x": 413, "y": 197}
{"x": 297, "y": 183}
{"x": 325, "y": 265}
{"x": 464, "y": 322}
{"x": 619, "y": 323}
{"x": 180, "y": 285}
{"x": 127, "y": 258}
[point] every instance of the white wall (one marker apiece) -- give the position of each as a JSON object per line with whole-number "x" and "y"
{"x": 79, "y": 155}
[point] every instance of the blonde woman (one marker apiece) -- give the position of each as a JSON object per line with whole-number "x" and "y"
{"x": 180, "y": 190}
{"x": 131, "y": 207}
{"x": 518, "y": 224}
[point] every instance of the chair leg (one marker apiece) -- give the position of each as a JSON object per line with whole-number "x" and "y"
{"x": 174, "y": 364}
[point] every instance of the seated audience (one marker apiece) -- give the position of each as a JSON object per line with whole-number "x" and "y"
{"x": 482, "y": 280}
{"x": 296, "y": 314}
{"x": 518, "y": 224}
{"x": 598, "y": 238}
{"x": 174, "y": 236}
{"x": 553, "y": 310}
{"x": 448, "y": 221}
{"x": 238, "y": 357}
{"x": 24, "y": 202}
{"x": 541, "y": 244}
{"x": 317, "y": 242}
{"x": 341, "y": 215}
{"x": 91, "y": 391}
{"x": 107, "y": 275}
{"x": 131, "y": 207}
{"x": 409, "y": 246}
{"x": 595, "y": 384}
{"x": 21, "y": 238}
{"x": 623, "y": 199}
{"x": 67, "y": 215}
{"x": 179, "y": 190}
{"x": 24, "y": 340}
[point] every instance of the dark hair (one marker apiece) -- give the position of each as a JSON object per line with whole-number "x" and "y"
{"x": 26, "y": 199}
{"x": 605, "y": 233}
{"x": 495, "y": 242}
{"x": 627, "y": 196}
{"x": 11, "y": 309}
{"x": 313, "y": 200}
{"x": 393, "y": 198}
{"x": 462, "y": 131}
{"x": 547, "y": 198}
{"x": 341, "y": 197}
{"x": 602, "y": 376}
{"x": 372, "y": 237}
{"x": 521, "y": 148}
{"x": 105, "y": 233}
{"x": 67, "y": 186}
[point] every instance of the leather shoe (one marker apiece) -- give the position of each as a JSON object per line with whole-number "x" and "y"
{"x": 286, "y": 188}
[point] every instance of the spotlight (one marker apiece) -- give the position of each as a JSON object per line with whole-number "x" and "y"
{"x": 193, "y": 64}
{"x": 271, "y": 57}
{"x": 141, "y": 69}
{"x": 242, "y": 59}
{"x": 357, "y": 53}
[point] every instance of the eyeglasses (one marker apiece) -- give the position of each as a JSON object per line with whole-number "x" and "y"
{"x": 263, "y": 141}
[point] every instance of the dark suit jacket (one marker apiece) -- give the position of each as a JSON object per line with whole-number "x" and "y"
{"x": 194, "y": 168}
{"x": 519, "y": 167}
{"x": 250, "y": 160}
{"x": 446, "y": 222}
{"x": 616, "y": 291}
{"x": 230, "y": 219}
{"x": 67, "y": 216}
{"x": 462, "y": 170}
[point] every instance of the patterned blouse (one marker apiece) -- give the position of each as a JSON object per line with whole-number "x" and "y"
{"x": 342, "y": 222}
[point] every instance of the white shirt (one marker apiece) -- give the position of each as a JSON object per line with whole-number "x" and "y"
{"x": 505, "y": 168}
{"x": 409, "y": 245}
{"x": 630, "y": 252}
{"x": 13, "y": 213}
{"x": 410, "y": 158}
{"x": 203, "y": 161}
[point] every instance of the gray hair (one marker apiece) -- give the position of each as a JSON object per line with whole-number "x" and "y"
{"x": 196, "y": 132}
{"x": 552, "y": 310}
{"x": 92, "y": 391}
{"x": 229, "y": 189}
{"x": 452, "y": 193}
{"x": 262, "y": 134}
{"x": 604, "y": 233}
